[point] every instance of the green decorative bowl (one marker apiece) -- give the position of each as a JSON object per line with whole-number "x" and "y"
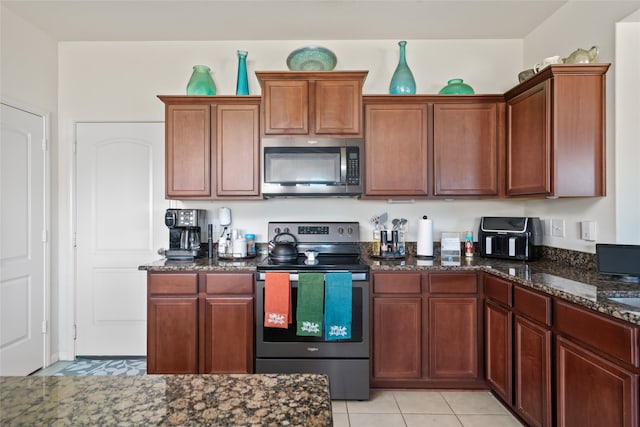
{"x": 456, "y": 87}
{"x": 311, "y": 58}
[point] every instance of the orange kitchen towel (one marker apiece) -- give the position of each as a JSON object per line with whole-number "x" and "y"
{"x": 277, "y": 300}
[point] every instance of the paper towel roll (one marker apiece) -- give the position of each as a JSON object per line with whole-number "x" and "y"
{"x": 425, "y": 237}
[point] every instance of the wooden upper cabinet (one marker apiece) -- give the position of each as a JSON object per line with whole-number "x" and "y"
{"x": 466, "y": 148}
{"x": 237, "y": 142}
{"x": 212, "y": 147}
{"x": 188, "y": 151}
{"x": 396, "y": 159}
{"x": 306, "y": 103}
{"x": 555, "y": 142}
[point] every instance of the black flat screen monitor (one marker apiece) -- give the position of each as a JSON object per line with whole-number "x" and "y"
{"x": 619, "y": 260}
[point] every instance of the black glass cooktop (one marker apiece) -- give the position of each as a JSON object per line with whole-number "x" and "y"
{"x": 351, "y": 263}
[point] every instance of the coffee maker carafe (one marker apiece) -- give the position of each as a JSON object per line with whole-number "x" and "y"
{"x": 184, "y": 233}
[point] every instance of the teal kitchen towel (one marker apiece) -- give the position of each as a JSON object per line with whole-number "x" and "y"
{"x": 310, "y": 304}
{"x": 337, "y": 306}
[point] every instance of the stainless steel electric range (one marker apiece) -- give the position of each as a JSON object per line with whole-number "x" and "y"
{"x": 346, "y": 362}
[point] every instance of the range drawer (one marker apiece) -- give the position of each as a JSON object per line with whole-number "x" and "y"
{"x": 172, "y": 283}
{"x": 498, "y": 290}
{"x": 397, "y": 283}
{"x": 602, "y": 333}
{"x": 532, "y": 305}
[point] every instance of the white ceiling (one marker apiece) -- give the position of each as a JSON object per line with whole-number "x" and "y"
{"x": 187, "y": 20}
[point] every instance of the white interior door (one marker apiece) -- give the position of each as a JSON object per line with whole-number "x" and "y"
{"x": 22, "y": 241}
{"x": 119, "y": 225}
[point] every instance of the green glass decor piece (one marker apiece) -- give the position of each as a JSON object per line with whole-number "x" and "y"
{"x": 312, "y": 58}
{"x": 242, "y": 86}
{"x": 402, "y": 81}
{"x": 201, "y": 82}
{"x": 456, "y": 87}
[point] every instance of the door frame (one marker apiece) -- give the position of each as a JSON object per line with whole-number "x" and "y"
{"x": 47, "y": 357}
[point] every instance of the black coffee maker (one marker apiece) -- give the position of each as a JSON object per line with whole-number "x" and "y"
{"x": 185, "y": 233}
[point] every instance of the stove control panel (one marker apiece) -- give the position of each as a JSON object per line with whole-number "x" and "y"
{"x": 317, "y": 232}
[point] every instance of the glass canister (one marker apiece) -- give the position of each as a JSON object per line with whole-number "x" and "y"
{"x": 201, "y": 82}
{"x": 251, "y": 244}
{"x": 456, "y": 87}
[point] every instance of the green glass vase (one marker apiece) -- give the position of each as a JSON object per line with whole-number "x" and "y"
{"x": 242, "y": 86}
{"x": 402, "y": 81}
{"x": 201, "y": 82}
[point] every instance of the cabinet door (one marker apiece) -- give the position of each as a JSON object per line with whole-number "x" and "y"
{"x": 397, "y": 332}
{"x": 172, "y": 335}
{"x": 188, "y": 151}
{"x": 338, "y": 107}
{"x": 592, "y": 391}
{"x": 529, "y": 142}
{"x": 228, "y": 335}
{"x": 465, "y": 149}
{"x": 533, "y": 372}
{"x": 453, "y": 338}
{"x": 396, "y": 150}
{"x": 237, "y": 142}
{"x": 286, "y": 107}
{"x": 498, "y": 356}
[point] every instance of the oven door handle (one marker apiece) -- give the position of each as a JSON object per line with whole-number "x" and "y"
{"x": 293, "y": 277}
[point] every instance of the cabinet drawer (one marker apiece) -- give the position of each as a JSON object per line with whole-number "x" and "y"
{"x": 397, "y": 283}
{"x": 232, "y": 283}
{"x": 453, "y": 283}
{"x": 609, "y": 336}
{"x": 172, "y": 283}
{"x": 533, "y": 305}
{"x": 498, "y": 290}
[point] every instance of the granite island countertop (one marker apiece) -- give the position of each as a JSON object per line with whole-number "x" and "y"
{"x": 579, "y": 285}
{"x": 166, "y": 400}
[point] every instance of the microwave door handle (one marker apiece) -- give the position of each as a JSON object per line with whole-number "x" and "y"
{"x": 343, "y": 165}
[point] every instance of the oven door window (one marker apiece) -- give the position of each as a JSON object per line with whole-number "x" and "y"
{"x": 289, "y": 335}
{"x": 289, "y": 166}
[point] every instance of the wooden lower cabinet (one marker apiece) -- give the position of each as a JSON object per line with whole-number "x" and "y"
{"x": 532, "y": 372}
{"x": 200, "y": 324}
{"x": 592, "y": 391}
{"x": 425, "y": 330}
{"x": 228, "y": 324}
{"x": 499, "y": 350}
{"x": 453, "y": 338}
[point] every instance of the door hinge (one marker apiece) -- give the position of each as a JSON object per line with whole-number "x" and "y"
{"x": 44, "y": 327}
{"x": 74, "y": 331}
{"x": 44, "y": 144}
{"x": 45, "y": 236}
{"x": 75, "y": 240}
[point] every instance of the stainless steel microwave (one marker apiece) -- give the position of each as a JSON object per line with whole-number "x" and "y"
{"x": 322, "y": 167}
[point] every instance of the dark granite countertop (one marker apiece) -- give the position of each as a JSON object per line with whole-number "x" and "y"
{"x": 184, "y": 400}
{"x": 580, "y": 285}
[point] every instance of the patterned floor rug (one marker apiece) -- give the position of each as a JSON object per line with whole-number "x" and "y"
{"x": 89, "y": 366}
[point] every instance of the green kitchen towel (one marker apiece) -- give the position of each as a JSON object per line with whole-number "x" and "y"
{"x": 310, "y": 304}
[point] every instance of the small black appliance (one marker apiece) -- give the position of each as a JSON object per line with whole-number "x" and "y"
{"x": 185, "y": 233}
{"x": 518, "y": 238}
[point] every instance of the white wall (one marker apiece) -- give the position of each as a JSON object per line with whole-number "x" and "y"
{"x": 627, "y": 106}
{"x": 29, "y": 80}
{"x": 574, "y": 25}
{"x": 120, "y": 81}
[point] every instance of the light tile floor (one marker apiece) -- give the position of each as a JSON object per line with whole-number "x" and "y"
{"x": 423, "y": 408}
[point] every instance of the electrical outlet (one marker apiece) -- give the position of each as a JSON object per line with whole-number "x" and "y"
{"x": 557, "y": 227}
{"x": 588, "y": 231}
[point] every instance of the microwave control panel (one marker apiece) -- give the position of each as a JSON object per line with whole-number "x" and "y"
{"x": 353, "y": 165}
